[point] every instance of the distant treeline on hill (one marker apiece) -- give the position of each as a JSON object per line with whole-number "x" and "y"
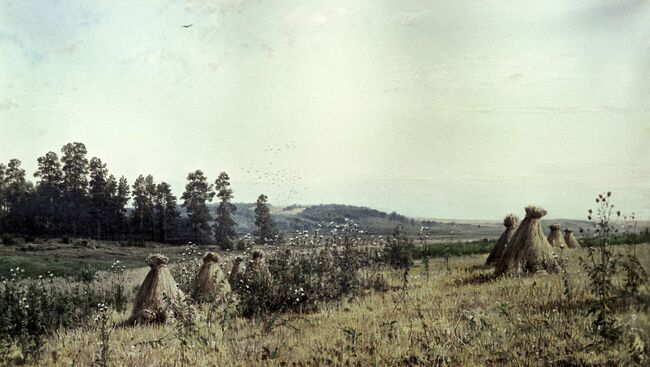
{"x": 76, "y": 196}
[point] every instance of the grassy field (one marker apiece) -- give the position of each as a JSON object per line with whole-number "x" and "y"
{"x": 80, "y": 256}
{"x": 457, "y": 315}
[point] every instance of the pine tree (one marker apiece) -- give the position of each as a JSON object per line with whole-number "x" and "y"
{"x": 75, "y": 184}
{"x": 17, "y": 192}
{"x": 150, "y": 187}
{"x": 3, "y": 198}
{"x": 197, "y": 193}
{"x": 266, "y": 232}
{"x": 111, "y": 213}
{"x": 119, "y": 203}
{"x": 224, "y": 226}
{"x": 48, "y": 192}
{"x": 167, "y": 214}
{"x": 143, "y": 204}
{"x": 99, "y": 194}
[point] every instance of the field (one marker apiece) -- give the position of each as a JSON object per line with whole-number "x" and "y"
{"x": 451, "y": 312}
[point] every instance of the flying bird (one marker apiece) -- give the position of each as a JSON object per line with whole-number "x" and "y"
{"x": 187, "y": 25}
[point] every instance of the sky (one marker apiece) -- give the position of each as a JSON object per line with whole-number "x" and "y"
{"x": 436, "y": 109}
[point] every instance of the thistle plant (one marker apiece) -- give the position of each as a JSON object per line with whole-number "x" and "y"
{"x": 399, "y": 254}
{"x": 105, "y": 328}
{"x": 118, "y": 283}
{"x": 601, "y": 268}
{"x": 635, "y": 275}
{"x": 423, "y": 236}
{"x": 563, "y": 262}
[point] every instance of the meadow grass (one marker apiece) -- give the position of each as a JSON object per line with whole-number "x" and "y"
{"x": 460, "y": 316}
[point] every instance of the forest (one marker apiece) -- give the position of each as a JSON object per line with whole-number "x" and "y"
{"x": 77, "y": 196}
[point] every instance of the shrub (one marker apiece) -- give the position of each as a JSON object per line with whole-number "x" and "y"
{"x": 398, "y": 253}
{"x": 8, "y": 240}
{"x": 31, "y": 309}
{"x": 287, "y": 281}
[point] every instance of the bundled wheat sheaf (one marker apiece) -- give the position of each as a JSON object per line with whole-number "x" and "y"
{"x": 555, "y": 238}
{"x": 236, "y": 273}
{"x": 528, "y": 249}
{"x": 510, "y": 222}
{"x": 158, "y": 288}
{"x": 570, "y": 239}
{"x": 210, "y": 282}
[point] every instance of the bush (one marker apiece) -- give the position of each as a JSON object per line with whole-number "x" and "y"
{"x": 8, "y": 241}
{"x": 29, "y": 309}
{"x": 398, "y": 253}
{"x": 286, "y": 281}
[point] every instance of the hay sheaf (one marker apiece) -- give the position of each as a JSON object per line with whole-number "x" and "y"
{"x": 210, "y": 257}
{"x": 555, "y": 238}
{"x": 235, "y": 275}
{"x": 210, "y": 283}
{"x": 150, "y": 305}
{"x": 570, "y": 240}
{"x": 528, "y": 250}
{"x": 510, "y": 222}
{"x": 535, "y": 212}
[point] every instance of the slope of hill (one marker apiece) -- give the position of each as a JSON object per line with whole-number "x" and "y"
{"x": 306, "y": 218}
{"x": 310, "y": 217}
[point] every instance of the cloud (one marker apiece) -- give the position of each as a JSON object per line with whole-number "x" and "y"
{"x": 562, "y": 110}
{"x": 302, "y": 17}
{"x": 515, "y": 77}
{"x": 8, "y": 104}
{"x": 409, "y": 19}
{"x": 212, "y": 6}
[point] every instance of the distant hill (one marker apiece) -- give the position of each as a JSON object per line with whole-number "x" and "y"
{"x": 309, "y": 217}
{"x": 300, "y": 218}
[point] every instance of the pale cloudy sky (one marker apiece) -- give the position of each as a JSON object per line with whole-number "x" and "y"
{"x": 446, "y": 108}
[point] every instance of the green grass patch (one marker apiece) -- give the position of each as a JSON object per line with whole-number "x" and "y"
{"x": 37, "y": 265}
{"x": 454, "y": 249}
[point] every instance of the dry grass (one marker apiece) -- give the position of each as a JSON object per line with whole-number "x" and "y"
{"x": 461, "y": 318}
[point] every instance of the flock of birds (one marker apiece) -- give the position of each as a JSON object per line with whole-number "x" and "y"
{"x": 267, "y": 175}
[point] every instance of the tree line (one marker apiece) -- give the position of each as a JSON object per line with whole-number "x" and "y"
{"x": 74, "y": 196}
